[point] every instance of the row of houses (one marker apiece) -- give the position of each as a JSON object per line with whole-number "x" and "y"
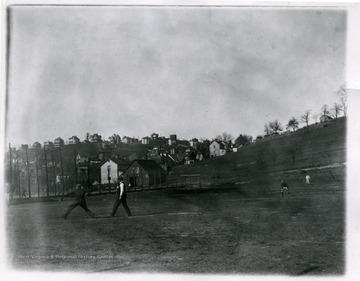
{"x": 112, "y": 141}
{"x": 105, "y": 173}
{"x": 143, "y": 169}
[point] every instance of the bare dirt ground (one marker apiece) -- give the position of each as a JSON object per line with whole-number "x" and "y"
{"x": 215, "y": 230}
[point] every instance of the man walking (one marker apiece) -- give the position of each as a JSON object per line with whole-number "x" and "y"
{"x": 284, "y": 186}
{"x": 121, "y": 198}
{"x": 307, "y": 179}
{"x": 80, "y": 200}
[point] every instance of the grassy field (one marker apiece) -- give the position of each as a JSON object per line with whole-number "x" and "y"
{"x": 222, "y": 229}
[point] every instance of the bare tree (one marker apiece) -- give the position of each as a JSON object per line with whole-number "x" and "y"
{"x": 337, "y": 108}
{"x": 315, "y": 116}
{"x": 292, "y": 124}
{"x": 342, "y": 92}
{"x": 275, "y": 126}
{"x": 87, "y": 136}
{"x": 343, "y": 101}
{"x": 305, "y": 117}
{"x": 267, "y": 130}
{"x": 325, "y": 110}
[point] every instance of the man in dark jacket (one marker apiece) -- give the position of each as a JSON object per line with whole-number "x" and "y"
{"x": 121, "y": 198}
{"x": 284, "y": 186}
{"x": 79, "y": 193}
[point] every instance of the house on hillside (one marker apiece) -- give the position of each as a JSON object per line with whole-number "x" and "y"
{"x": 145, "y": 140}
{"x": 24, "y": 146}
{"x": 48, "y": 145}
{"x": 115, "y": 139}
{"x": 325, "y": 118}
{"x": 126, "y": 140}
{"x": 74, "y": 140}
{"x": 58, "y": 142}
{"x": 95, "y": 138}
{"x": 218, "y": 148}
{"x": 154, "y": 136}
{"x": 36, "y": 145}
{"x": 194, "y": 142}
{"x": 144, "y": 173}
{"x": 106, "y": 144}
{"x": 172, "y": 140}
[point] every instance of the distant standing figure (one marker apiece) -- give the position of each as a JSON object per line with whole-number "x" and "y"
{"x": 307, "y": 179}
{"x": 284, "y": 186}
{"x": 80, "y": 200}
{"x": 121, "y": 198}
{"x": 7, "y": 193}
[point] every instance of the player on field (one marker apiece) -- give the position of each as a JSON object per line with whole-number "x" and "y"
{"x": 121, "y": 198}
{"x": 284, "y": 186}
{"x": 307, "y": 179}
{"x": 80, "y": 200}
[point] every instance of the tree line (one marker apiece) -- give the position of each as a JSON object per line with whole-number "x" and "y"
{"x": 275, "y": 127}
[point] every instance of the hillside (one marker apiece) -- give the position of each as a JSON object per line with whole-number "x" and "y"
{"x": 319, "y": 150}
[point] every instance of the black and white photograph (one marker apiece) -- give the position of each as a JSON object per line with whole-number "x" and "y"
{"x": 179, "y": 139}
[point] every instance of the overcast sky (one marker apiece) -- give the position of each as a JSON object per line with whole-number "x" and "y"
{"x": 194, "y": 72}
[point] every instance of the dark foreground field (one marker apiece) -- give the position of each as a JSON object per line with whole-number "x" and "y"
{"x": 215, "y": 230}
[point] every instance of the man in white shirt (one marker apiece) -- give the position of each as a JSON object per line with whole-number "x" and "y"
{"x": 121, "y": 198}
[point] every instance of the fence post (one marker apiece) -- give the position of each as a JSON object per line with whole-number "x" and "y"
{"x": 62, "y": 172}
{"x": 18, "y": 176}
{"x": 47, "y": 175}
{"x": 75, "y": 162}
{"x": 11, "y": 173}
{"x": 37, "y": 174}
{"x": 54, "y": 171}
{"x": 28, "y": 171}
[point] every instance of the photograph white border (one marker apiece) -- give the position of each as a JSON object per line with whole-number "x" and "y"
{"x": 353, "y": 140}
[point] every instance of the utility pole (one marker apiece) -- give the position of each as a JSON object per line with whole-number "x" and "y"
{"x": 47, "y": 176}
{"x": 37, "y": 174}
{"x": 88, "y": 178}
{"x": 108, "y": 169}
{"x": 75, "y": 162}
{"x": 28, "y": 171}
{"x": 18, "y": 176}
{"x": 54, "y": 170}
{"x": 11, "y": 172}
{"x": 62, "y": 172}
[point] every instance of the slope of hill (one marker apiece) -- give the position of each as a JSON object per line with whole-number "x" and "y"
{"x": 319, "y": 150}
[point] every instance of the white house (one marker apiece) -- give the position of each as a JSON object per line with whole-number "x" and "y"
{"x": 108, "y": 168}
{"x": 145, "y": 140}
{"x": 218, "y": 148}
{"x": 325, "y": 118}
{"x": 194, "y": 142}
